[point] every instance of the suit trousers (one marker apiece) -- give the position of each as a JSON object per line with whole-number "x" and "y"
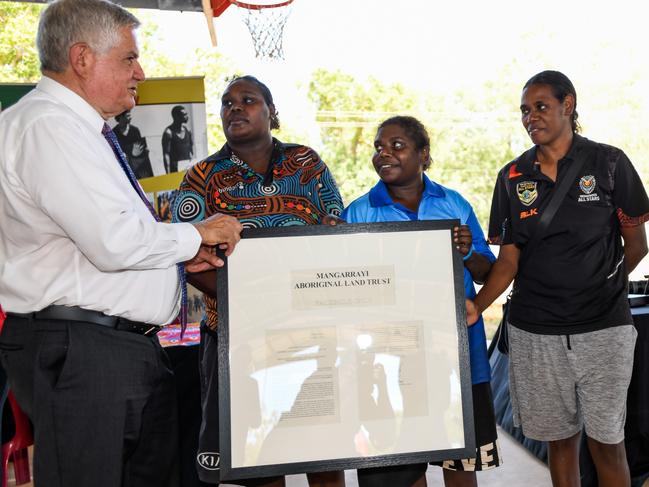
{"x": 102, "y": 403}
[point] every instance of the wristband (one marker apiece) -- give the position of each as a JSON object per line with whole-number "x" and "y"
{"x": 468, "y": 256}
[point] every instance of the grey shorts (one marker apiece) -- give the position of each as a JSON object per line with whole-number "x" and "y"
{"x": 559, "y": 383}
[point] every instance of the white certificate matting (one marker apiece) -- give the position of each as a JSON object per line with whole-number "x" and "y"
{"x": 344, "y": 349}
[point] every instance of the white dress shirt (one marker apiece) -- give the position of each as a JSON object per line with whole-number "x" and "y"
{"x": 73, "y": 230}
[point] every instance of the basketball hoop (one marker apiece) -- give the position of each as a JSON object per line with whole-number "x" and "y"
{"x": 266, "y": 22}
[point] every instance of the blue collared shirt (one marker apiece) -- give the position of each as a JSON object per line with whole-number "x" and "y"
{"x": 437, "y": 202}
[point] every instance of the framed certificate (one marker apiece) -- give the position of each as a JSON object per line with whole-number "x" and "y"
{"x": 343, "y": 347}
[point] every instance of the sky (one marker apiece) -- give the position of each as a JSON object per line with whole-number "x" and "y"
{"x": 430, "y": 42}
{"x": 441, "y": 46}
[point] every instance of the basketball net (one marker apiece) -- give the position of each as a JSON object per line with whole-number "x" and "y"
{"x": 266, "y": 25}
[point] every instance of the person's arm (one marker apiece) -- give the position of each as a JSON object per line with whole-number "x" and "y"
{"x": 221, "y": 230}
{"x": 501, "y": 276}
{"x": 635, "y": 245}
{"x": 138, "y": 147}
{"x": 139, "y": 143}
{"x": 82, "y": 188}
{"x": 325, "y": 190}
{"x": 505, "y": 268}
{"x": 479, "y": 267}
{"x": 469, "y": 241}
{"x": 332, "y": 220}
{"x": 478, "y": 264}
{"x": 201, "y": 270}
{"x": 632, "y": 204}
{"x": 216, "y": 229}
{"x": 166, "y": 149}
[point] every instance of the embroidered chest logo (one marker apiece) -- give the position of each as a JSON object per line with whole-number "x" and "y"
{"x": 527, "y": 192}
{"x": 529, "y": 213}
{"x": 587, "y": 185}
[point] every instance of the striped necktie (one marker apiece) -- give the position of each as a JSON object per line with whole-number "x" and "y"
{"x": 121, "y": 158}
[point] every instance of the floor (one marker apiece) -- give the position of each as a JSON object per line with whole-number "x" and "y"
{"x": 519, "y": 468}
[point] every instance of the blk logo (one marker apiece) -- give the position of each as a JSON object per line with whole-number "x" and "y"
{"x": 209, "y": 460}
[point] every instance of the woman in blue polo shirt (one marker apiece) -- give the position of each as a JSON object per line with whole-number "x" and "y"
{"x": 402, "y": 155}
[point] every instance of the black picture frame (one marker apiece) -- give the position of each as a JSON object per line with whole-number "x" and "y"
{"x": 255, "y": 237}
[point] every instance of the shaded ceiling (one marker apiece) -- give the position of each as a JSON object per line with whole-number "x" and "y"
{"x": 188, "y": 5}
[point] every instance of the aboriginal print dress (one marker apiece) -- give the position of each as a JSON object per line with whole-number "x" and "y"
{"x": 297, "y": 189}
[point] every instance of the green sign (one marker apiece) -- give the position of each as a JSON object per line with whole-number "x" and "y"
{"x": 10, "y": 93}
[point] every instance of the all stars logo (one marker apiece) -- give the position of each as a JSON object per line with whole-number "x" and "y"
{"x": 587, "y": 185}
{"x": 527, "y": 192}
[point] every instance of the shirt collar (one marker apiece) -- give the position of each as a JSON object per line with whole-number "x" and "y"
{"x": 379, "y": 195}
{"x": 73, "y": 101}
{"x": 525, "y": 163}
{"x": 225, "y": 152}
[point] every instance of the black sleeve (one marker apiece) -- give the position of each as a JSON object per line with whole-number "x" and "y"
{"x": 500, "y": 228}
{"x": 629, "y": 194}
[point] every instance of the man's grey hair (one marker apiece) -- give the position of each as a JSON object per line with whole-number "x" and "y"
{"x": 66, "y": 22}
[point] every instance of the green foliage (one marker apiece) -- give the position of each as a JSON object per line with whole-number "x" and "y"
{"x": 348, "y": 113}
{"x": 474, "y": 135}
{"x": 18, "y": 55}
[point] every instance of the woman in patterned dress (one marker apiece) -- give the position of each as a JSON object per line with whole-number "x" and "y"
{"x": 264, "y": 183}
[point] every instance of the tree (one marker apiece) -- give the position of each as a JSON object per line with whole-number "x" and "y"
{"x": 348, "y": 113}
{"x": 18, "y": 56}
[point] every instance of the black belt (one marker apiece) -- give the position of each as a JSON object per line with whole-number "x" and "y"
{"x": 74, "y": 313}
